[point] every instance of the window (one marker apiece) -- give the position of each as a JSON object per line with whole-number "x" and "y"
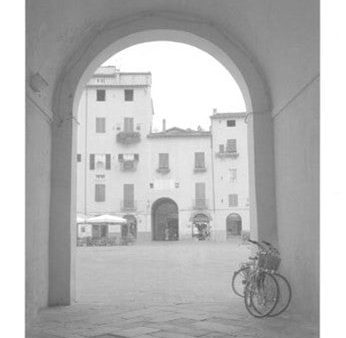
{"x": 129, "y": 190}
{"x": 151, "y": 185}
{"x": 79, "y": 157}
{"x": 100, "y": 192}
{"x": 100, "y": 161}
{"x": 231, "y": 146}
{"x": 128, "y": 94}
{"x": 100, "y": 95}
{"x": 199, "y": 160}
{"x": 221, "y": 148}
{"x": 136, "y": 157}
{"x": 233, "y": 200}
{"x": 230, "y": 123}
{"x": 92, "y": 161}
{"x": 177, "y": 185}
{"x": 82, "y": 229}
{"x": 108, "y": 161}
{"x": 128, "y": 124}
{"x": 163, "y": 161}
{"x": 233, "y": 175}
{"x": 100, "y": 125}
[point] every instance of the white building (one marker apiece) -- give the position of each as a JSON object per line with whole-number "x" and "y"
{"x": 164, "y": 183}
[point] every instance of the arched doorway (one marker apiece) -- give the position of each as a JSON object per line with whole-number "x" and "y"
{"x": 165, "y": 220}
{"x": 130, "y": 227}
{"x": 77, "y": 70}
{"x": 233, "y": 225}
{"x": 200, "y": 225}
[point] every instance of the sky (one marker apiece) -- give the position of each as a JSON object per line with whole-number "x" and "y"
{"x": 187, "y": 83}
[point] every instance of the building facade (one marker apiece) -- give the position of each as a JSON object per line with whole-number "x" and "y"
{"x": 167, "y": 184}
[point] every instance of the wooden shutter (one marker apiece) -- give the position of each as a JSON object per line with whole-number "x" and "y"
{"x": 92, "y": 162}
{"x": 100, "y": 95}
{"x": 231, "y": 146}
{"x": 100, "y": 192}
{"x": 233, "y": 200}
{"x": 199, "y": 160}
{"x": 128, "y": 124}
{"x": 163, "y": 160}
{"x": 200, "y": 194}
{"x": 100, "y": 125}
{"x": 129, "y": 192}
{"x": 108, "y": 161}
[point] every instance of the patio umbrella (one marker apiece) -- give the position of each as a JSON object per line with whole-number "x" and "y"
{"x": 81, "y": 219}
{"x": 107, "y": 219}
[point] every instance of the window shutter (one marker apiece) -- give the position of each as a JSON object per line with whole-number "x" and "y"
{"x": 231, "y": 146}
{"x": 100, "y": 192}
{"x": 108, "y": 161}
{"x": 163, "y": 160}
{"x": 128, "y": 124}
{"x": 221, "y": 148}
{"x": 136, "y": 157}
{"x": 129, "y": 195}
{"x": 233, "y": 200}
{"x": 92, "y": 162}
{"x": 199, "y": 160}
{"x": 120, "y": 157}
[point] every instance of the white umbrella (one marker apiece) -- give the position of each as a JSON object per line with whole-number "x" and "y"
{"x": 81, "y": 219}
{"x": 107, "y": 219}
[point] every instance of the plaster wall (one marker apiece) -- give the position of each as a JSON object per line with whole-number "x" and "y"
{"x": 296, "y": 132}
{"x": 38, "y": 141}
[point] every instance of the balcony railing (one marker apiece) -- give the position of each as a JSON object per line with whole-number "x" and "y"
{"x": 163, "y": 170}
{"x": 128, "y": 205}
{"x": 200, "y": 204}
{"x": 200, "y": 169}
{"x": 223, "y": 154}
{"x": 128, "y": 137}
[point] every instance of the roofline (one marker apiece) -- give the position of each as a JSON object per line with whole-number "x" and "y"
{"x": 227, "y": 115}
{"x": 109, "y": 85}
{"x": 165, "y": 135}
{"x": 121, "y": 73}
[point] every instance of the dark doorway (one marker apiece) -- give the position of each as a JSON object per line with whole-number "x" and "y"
{"x": 130, "y": 227}
{"x": 165, "y": 220}
{"x": 233, "y": 225}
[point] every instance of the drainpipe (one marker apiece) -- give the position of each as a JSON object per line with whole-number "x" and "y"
{"x": 86, "y": 152}
{"x": 212, "y": 167}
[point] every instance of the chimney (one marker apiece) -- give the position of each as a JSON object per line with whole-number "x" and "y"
{"x": 214, "y": 111}
{"x": 164, "y": 125}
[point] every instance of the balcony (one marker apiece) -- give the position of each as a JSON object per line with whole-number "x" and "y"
{"x": 163, "y": 170}
{"x": 225, "y": 154}
{"x": 199, "y": 169}
{"x": 200, "y": 204}
{"x": 128, "y": 137}
{"x": 128, "y": 205}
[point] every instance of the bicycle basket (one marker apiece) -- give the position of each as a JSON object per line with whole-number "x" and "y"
{"x": 268, "y": 262}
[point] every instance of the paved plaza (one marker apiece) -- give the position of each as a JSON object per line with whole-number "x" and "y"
{"x": 161, "y": 289}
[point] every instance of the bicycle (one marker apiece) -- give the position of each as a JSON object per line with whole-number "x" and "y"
{"x": 252, "y": 281}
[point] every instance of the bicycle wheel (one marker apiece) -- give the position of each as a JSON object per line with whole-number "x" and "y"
{"x": 261, "y": 294}
{"x": 284, "y": 297}
{"x": 239, "y": 281}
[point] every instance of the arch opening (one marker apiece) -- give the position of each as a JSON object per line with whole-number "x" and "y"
{"x": 165, "y": 220}
{"x": 75, "y": 75}
{"x": 233, "y": 225}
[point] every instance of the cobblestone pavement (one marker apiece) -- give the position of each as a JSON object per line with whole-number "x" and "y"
{"x": 177, "y": 290}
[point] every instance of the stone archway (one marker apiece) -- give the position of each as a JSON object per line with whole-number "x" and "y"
{"x": 165, "y": 220}
{"x": 94, "y": 50}
{"x": 233, "y": 225}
